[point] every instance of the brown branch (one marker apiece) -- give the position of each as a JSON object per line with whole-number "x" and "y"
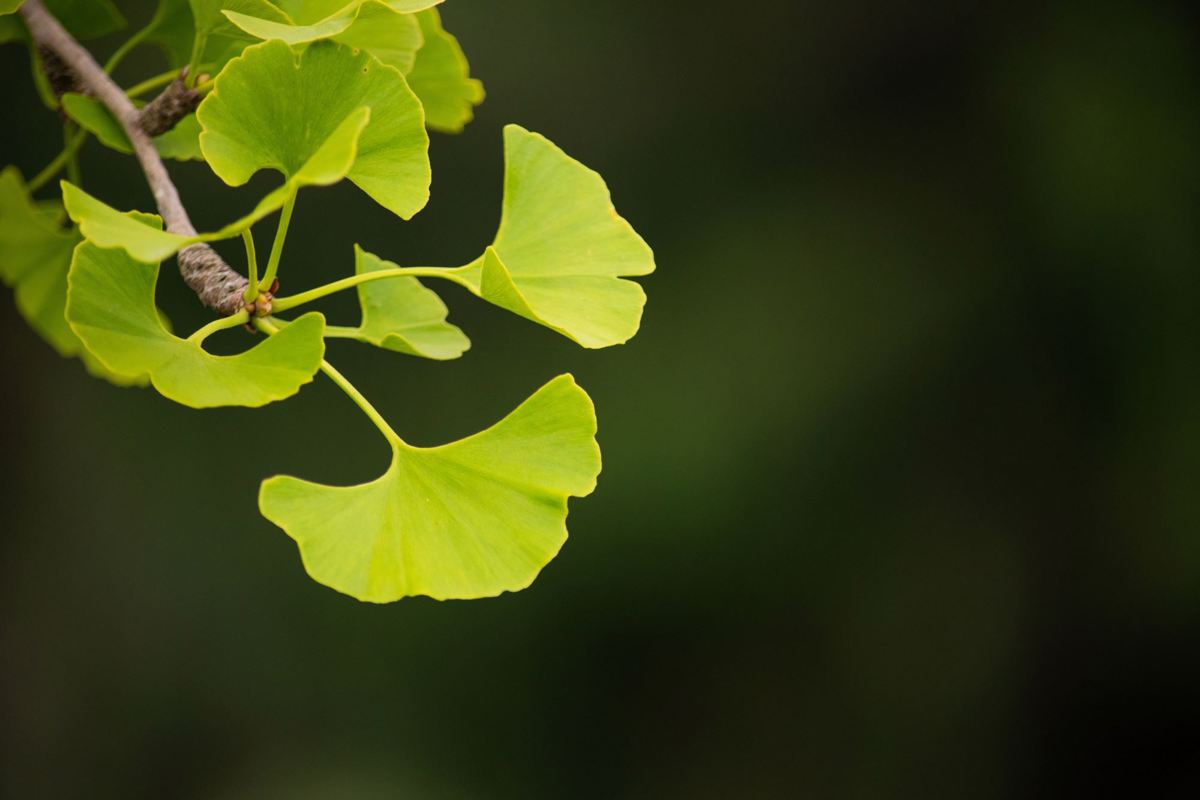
{"x": 217, "y": 285}
{"x": 165, "y": 111}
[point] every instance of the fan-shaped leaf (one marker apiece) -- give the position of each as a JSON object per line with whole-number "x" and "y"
{"x": 110, "y": 306}
{"x": 35, "y": 255}
{"x": 389, "y": 33}
{"x": 173, "y": 29}
{"x": 308, "y": 12}
{"x": 402, "y": 315}
{"x": 470, "y": 519}
{"x": 441, "y": 78}
{"x": 271, "y": 109}
{"x": 391, "y": 36}
{"x": 216, "y": 39}
{"x": 108, "y": 227}
{"x": 561, "y": 249}
{"x": 9, "y": 6}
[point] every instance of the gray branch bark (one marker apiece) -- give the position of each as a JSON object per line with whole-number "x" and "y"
{"x": 214, "y": 281}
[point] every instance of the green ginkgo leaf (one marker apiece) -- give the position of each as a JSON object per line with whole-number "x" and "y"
{"x": 35, "y": 256}
{"x": 379, "y": 27}
{"x": 562, "y": 249}
{"x": 392, "y": 36}
{"x": 308, "y": 12}
{"x": 441, "y": 77}
{"x": 108, "y": 227}
{"x": 216, "y": 40}
{"x": 271, "y": 108}
{"x": 110, "y": 306}
{"x": 402, "y": 315}
{"x": 173, "y": 30}
{"x": 291, "y": 32}
{"x": 466, "y": 520}
{"x": 181, "y": 143}
{"x": 9, "y": 6}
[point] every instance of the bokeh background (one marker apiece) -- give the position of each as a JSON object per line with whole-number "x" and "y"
{"x": 900, "y": 488}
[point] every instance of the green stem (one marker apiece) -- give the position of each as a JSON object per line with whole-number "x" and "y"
{"x": 60, "y": 161}
{"x": 224, "y": 323}
{"x": 347, "y": 387}
{"x": 341, "y": 332}
{"x": 73, "y": 173}
{"x": 130, "y": 43}
{"x": 285, "y": 219}
{"x": 197, "y": 52}
{"x": 251, "y": 265}
{"x": 150, "y": 84}
{"x": 206, "y": 86}
{"x": 285, "y": 303}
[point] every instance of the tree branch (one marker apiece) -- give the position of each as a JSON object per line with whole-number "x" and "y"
{"x": 217, "y": 285}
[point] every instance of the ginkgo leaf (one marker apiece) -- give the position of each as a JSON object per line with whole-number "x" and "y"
{"x": 35, "y": 255}
{"x": 9, "y": 6}
{"x": 181, "y": 143}
{"x": 378, "y": 27}
{"x": 110, "y": 306}
{"x": 308, "y": 12}
{"x": 392, "y": 36}
{"x": 216, "y": 40}
{"x": 465, "y": 520}
{"x": 108, "y": 227}
{"x": 271, "y": 108}
{"x": 27, "y": 237}
{"x": 441, "y": 78}
{"x": 289, "y": 32}
{"x": 173, "y": 29}
{"x": 562, "y": 249}
{"x": 402, "y": 315}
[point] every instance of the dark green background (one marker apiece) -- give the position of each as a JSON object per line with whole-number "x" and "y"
{"x": 900, "y": 486}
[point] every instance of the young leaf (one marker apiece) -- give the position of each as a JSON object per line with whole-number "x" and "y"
{"x": 27, "y": 238}
{"x": 561, "y": 249}
{"x": 441, "y": 78}
{"x": 466, "y": 520}
{"x": 271, "y": 109}
{"x": 292, "y": 33}
{"x": 35, "y": 255}
{"x": 391, "y": 35}
{"x": 402, "y": 315}
{"x": 109, "y": 227}
{"x": 308, "y": 12}
{"x": 173, "y": 29}
{"x": 181, "y": 143}
{"x": 110, "y": 306}
{"x": 216, "y": 39}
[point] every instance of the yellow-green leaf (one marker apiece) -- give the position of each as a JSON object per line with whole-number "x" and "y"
{"x": 562, "y": 249}
{"x": 441, "y": 77}
{"x": 402, "y": 315}
{"x": 272, "y": 108}
{"x": 35, "y": 255}
{"x": 465, "y": 520}
{"x": 110, "y": 306}
{"x": 108, "y": 227}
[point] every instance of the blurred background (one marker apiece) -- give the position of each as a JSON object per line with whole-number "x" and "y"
{"x": 899, "y": 495}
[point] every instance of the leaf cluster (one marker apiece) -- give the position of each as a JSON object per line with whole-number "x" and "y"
{"x": 321, "y": 91}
